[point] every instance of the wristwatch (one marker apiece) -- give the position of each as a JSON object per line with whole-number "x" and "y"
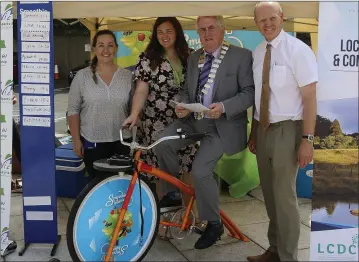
{"x": 309, "y": 137}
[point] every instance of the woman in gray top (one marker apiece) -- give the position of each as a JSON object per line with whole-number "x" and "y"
{"x": 98, "y": 103}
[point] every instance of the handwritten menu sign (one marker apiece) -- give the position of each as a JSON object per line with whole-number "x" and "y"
{"x": 36, "y": 100}
{"x": 36, "y": 121}
{"x": 35, "y": 57}
{"x": 37, "y": 26}
{"x": 35, "y": 89}
{"x": 35, "y": 78}
{"x": 32, "y": 67}
{"x": 36, "y": 110}
{"x": 35, "y": 35}
{"x": 35, "y": 46}
{"x": 30, "y": 15}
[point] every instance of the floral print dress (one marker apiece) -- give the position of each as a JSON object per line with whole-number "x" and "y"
{"x": 158, "y": 113}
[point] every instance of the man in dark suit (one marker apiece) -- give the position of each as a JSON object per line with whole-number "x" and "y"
{"x": 220, "y": 77}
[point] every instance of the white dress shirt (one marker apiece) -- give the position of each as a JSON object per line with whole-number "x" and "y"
{"x": 293, "y": 65}
{"x": 207, "y": 98}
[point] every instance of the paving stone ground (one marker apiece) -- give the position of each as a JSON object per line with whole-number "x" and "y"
{"x": 248, "y": 213}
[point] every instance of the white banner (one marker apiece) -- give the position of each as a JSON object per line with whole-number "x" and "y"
{"x": 334, "y": 227}
{"x": 334, "y": 245}
{"x": 338, "y": 50}
{"x": 6, "y": 49}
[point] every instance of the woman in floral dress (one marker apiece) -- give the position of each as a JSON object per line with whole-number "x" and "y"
{"x": 160, "y": 74}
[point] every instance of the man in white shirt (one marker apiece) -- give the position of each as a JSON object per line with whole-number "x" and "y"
{"x": 285, "y": 76}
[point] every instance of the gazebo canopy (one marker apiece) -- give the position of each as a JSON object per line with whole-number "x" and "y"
{"x": 139, "y": 15}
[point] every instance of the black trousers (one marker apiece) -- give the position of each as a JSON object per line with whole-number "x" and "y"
{"x": 102, "y": 151}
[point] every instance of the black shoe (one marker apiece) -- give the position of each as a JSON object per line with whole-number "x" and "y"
{"x": 167, "y": 201}
{"x": 211, "y": 234}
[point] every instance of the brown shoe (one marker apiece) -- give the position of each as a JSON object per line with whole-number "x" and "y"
{"x": 268, "y": 256}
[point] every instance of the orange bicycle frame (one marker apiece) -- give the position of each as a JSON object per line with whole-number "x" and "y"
{"x": 142, "y": 167}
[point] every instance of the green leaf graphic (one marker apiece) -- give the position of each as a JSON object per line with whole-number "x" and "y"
{"x": 2, "y": 119}
{"x": 8, "y": 82}
{"x": 2, "y": 44}
{"x": 7, "y": 156}
{"x": 5, "y": 229}
{"x": 8, "y": 7}
{"x": 2, "y": 192}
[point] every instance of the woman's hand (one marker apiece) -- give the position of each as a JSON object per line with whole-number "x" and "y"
{"x": 78, "y": 148}
{"x": 131, "y": 121}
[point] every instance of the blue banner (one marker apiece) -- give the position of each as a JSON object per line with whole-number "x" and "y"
{"x": 36, "y": 84}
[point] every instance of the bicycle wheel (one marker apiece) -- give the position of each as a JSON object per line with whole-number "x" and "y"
{"x": 93, "y": 219}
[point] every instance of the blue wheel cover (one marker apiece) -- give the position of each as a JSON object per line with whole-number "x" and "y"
{"x": 96, "y": 221}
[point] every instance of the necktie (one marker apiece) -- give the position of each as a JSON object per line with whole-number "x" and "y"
{"x": 264, "y": 108}
{"x": 203, "y": 76}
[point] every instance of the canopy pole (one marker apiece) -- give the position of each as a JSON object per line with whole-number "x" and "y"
{"x": 314, "y": 41}
{"x": 92, "y": 25}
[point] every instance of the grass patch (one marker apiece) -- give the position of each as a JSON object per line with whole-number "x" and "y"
{"x": 336, "y": 156}
{"x": 336, "y": 172}
{"x": 335, "y": 179}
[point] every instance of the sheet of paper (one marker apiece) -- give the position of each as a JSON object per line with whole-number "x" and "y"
{"x": 36, "y": 121}
{"x": 35, "y": 89}
{"x": 35, "y": 15}
{"x": 35, "y": 78}
{"x": 87, "y": 48}
{"x": 36, "y": 100}
{"x": 36, "y": 110}
{"x": 194, "y": 107}
{"x": 35, "y": 57}
{"x": 35, "y": 35}
{"x": 33, "y": 2}
{"x": 35, "y": 26}
{"x": 35, "y": 46}
{"x": 35, "y": 68}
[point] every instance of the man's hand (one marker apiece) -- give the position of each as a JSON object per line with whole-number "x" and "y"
{"x": 252, "y": 144}
{"x": 252, "y": 141}
{"x": 181, "y": 112}
{"x": 305, "y": 153}
{"x": 216, "y": 110}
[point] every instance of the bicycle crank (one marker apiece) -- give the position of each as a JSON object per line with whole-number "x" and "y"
{"x": 163, "y": 231}
{"x": 177, "y": 218}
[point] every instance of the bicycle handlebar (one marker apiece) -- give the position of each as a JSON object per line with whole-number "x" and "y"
{"x": 180, "y": 135}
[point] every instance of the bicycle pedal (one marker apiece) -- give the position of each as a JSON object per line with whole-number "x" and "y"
{"x": 164, "y": 210}
{"x": 197, "y": 230}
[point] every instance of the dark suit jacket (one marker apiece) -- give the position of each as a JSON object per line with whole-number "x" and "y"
{"x": 234, "y": 87}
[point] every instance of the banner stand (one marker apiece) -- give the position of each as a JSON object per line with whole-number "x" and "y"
{"x": 335, "y": 206}
{"x": 36, "y": 83}
{"x": 6, "y": 46}
{"x": 53, "y": 250}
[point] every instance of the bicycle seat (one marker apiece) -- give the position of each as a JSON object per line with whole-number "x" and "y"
{"x": 116, "y": 163}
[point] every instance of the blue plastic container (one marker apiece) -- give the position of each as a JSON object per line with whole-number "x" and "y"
{"x": 68, "y": 146}
{"x": 305, "y": 181}
{"x": 70, "y": 173}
